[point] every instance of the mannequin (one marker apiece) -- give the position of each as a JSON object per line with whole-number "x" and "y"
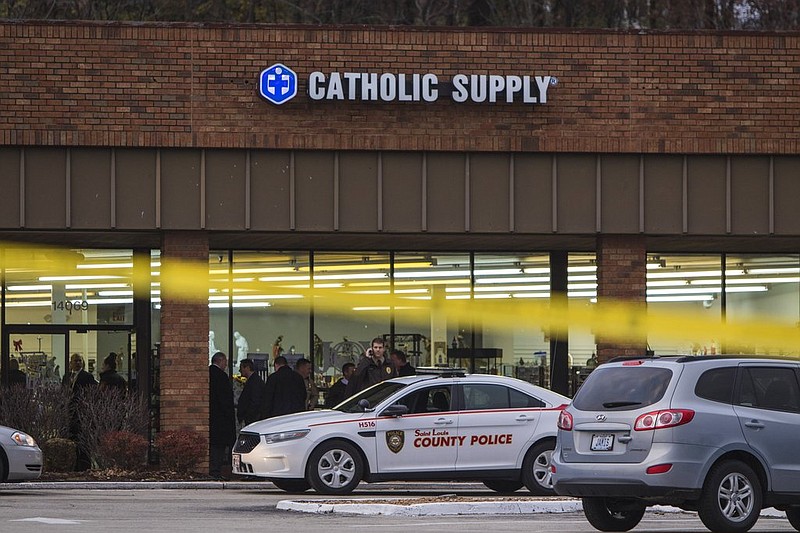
{"x": 241, "y": 347}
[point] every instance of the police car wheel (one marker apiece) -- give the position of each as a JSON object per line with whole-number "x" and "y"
{"x": 335, "y": 467}
{"x": 503, "y": 486}
{"x": 291, "y": 485}
{"x": 536, "y": 474}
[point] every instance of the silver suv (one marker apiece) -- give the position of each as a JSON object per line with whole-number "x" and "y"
{"x": 716, "y": 435}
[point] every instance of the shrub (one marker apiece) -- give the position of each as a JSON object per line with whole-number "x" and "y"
{"x": 59, "y": 455}
{"x": 105, "y": 410}
{"x": 122, "y": 449}
{"x": 43, "y": 413}
{"x": 180, "y": 450}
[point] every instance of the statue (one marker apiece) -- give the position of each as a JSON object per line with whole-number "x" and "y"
{"x": 241, "y": 347}
{"x": 212, "y": 347}
{"x": 277, "y": 349}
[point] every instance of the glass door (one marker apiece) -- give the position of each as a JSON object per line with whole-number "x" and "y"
{"x": 41, "y": 357}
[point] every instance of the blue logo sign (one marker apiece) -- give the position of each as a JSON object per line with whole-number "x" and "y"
{"x": 278, "y": 84}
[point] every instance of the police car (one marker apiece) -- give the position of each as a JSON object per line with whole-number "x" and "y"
{"x": 495, "y": 429}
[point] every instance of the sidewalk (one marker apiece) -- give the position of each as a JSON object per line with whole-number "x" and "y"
{"x": 391, "y": 504}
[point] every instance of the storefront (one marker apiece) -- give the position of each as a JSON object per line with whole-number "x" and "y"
{"x": 429, "y": 166}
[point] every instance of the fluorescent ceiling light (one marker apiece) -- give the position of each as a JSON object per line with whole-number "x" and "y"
{"x": 536, "y": 270}
{"x": 110, "y": 301}
{"x": 364, "y": 275}
{"x": 97, "y": 286}
{"x": 298, "y": 277}
{"x": 29, "y": 304}
{"x": 77, "y": 278}
{"x": 588, "y": 268}
{"x": 115, "y": 293}
{"x": 378, "y": 308}
{"x": 517, "y": 279}
{"x": 498, "y": 272}
{"x": 36, "y": 288}
{"x": 88, "y": 266}
{"x": 531, "y": 295}
{"x": 432, "y": 274}
{"x": 683, "y": 298}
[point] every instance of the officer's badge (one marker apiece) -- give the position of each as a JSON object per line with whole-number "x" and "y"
{"x": 395, "y": 440}
{"x": 388, "y": 370}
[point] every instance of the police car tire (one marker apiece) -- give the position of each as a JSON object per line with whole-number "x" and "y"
{"x": 503, "y": 486}
{"x": 537, "y": 459}
{"x": 345, "y": 456}
{"x": 291, "y": 485}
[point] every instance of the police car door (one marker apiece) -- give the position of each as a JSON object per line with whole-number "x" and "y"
{"x": 497, "y": 423}
{"x": 424, "y": 440}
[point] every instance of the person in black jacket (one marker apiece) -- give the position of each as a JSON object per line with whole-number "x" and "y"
{"x": 251, "y": 406}
{"x": 109, "y": 378}
{"x": 76, "y": 382}
{"x": 15, "y": 375}
{"x": 401, "y": 363}
{"x": 222, "y": 419}
{"x": 372, "y": 368}
{"x": 336, "y": 394}
{"x": 285, "y": 392}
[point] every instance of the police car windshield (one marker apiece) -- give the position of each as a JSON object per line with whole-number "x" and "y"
{"x": 374, "y": 395}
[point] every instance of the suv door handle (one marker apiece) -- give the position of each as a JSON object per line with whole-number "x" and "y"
{"x": 443, "y": 421}
{"x": 523, "y": 418}
{"x": 755, "y": 424}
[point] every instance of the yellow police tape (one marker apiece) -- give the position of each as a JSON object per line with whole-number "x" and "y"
{"x": 613, "y": 321}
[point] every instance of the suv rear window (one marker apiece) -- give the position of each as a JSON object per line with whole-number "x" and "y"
{"x": 622, "y": 388}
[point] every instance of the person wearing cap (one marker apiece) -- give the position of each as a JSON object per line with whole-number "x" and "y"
{"x": 109, "y": 378}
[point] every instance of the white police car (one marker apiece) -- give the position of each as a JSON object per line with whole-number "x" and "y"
{"x": 495, "y": 429}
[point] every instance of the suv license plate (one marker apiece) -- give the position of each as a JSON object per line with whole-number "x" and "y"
{"x": 237, "y": 462}
{"x": 602, "y": 443}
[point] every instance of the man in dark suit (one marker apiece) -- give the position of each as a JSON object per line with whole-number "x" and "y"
{"x": 401, "y": 364}
{"x": 77, "y": 382}
{"x": 222, "y": 419}
{"x": 251, "y": 401}
{"x": 285, "y": 392}
{"x": 336, "y": 394}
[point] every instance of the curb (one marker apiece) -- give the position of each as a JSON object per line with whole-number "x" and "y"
{"x": 462, "y": 508}
{"x": 134, "y": 485}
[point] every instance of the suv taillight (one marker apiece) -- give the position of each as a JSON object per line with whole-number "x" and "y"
{"x": 565, "y": 421}
{"x": 668, "y": 418}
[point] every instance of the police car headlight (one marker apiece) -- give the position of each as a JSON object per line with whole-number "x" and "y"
{"x": 271, "y": 438}
{"x": 23, "y": 439}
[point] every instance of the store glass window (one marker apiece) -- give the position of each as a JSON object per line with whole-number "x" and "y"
{"x": 270, "y": 297}
{"x": 680, "y": 286}
{"x": 582, "y": 291}
{"x": 351, "y": 306}
{"x": 69, "y": 286}
{"x": 765, "y": 289}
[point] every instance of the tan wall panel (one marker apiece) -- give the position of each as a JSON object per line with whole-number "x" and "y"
{"x": 489, "y": 196}
{"x": 358, "y": 191}
{"x": 706, "y": 195}
{"x": 402, "y": 192}
{"x": 225, "y": 189}
{"x": 180, "y": 189}
{"x": 445, "y": 192}
{"x": 663, "y": 194}
{"x": 45, "y": 187}
{"x": 136, "y": 189}
{"x": 619, "y": 197}
{"x": 314, "y": 190}
{"x": 577, "y": 200}
{"x": 90, "y": 188}
{"x": 9, "y": 184}
{"x": 533, "y": 193}
{"x": 750, "y": 195}
{"x": 787, "y": 192}
{"x": 270, "y": 182}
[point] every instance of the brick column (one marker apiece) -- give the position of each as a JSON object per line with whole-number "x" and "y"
{"x": 621, "y": 276}
{"x": 184, "y": 342}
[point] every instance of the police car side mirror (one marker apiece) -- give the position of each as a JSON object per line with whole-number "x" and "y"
{"x": 395, "y": 410}
{"x": 363, "y": 403}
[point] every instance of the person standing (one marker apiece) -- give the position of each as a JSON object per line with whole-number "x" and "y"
{"x": 109, "y": 378}
{"x": 401, "y": 364}
{"x": 285, "y": 391}
{"x": 76, "y": 383}
{"x": 372, "y": 368}
{"x": 251, "y": 401}
{"x": 336, "y": 394}
{"x": 16, "y": 377}
{"x": 303, "y": 367}
{"x": 222, "y": 419}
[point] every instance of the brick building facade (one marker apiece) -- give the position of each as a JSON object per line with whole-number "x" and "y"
{"x": 154, "y": 136}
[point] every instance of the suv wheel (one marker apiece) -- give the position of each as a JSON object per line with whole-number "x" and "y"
{"x": 608, "y": 514}
{"x": 536, "y": 474}
{"x": 731, "y": 498}
{"x": 793, "y": 514}
{"x": 335, "y": 467}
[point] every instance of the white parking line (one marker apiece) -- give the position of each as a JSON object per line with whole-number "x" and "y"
{"x": 51, "y": 521}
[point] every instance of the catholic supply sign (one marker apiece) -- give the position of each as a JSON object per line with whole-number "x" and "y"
{"x": 278, "y": 84}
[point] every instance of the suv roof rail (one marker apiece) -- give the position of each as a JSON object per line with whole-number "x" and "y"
{"x": 632, "y": 358}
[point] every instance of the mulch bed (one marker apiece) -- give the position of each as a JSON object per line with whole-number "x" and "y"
{"x": 124, "y": 475}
